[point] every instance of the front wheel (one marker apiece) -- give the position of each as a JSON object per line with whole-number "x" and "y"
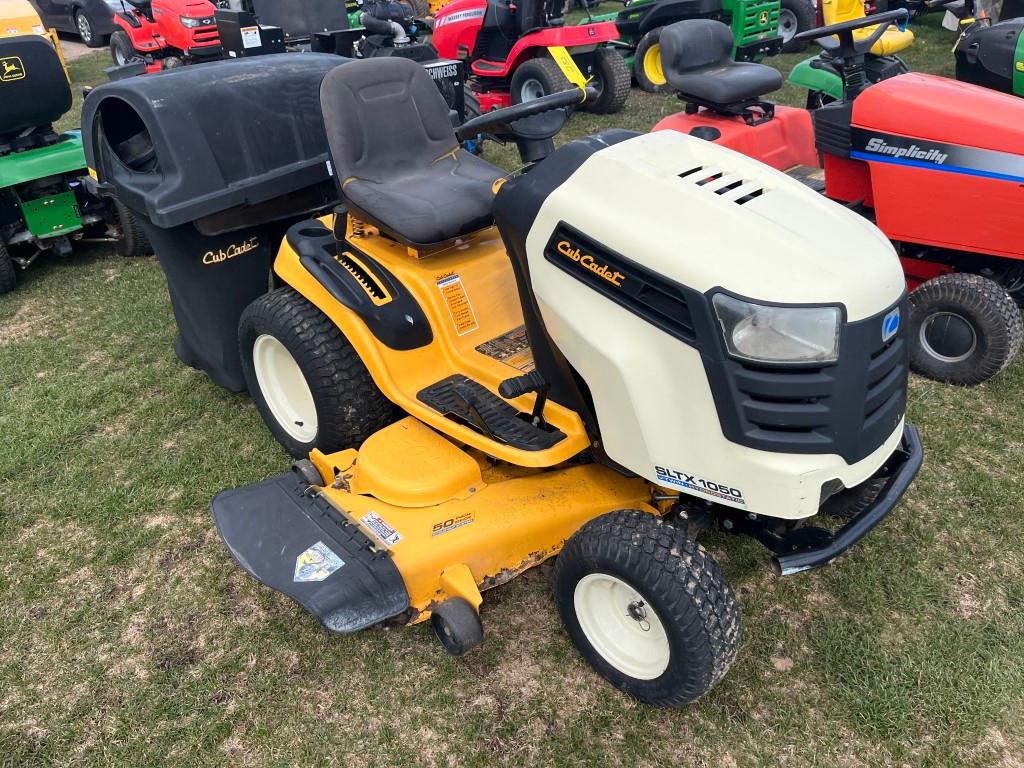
{"x": 964, "y": 329}
{"x": 647, "y": 64}
{"x": 133, "y": 241}
{"x": 647, "y": 607}
{"x": 87, "y": 31}
{"x": 8, "y": 273}
{"x": 121, "y": 49}
{"x": 307, "y": 380}
{"x": 536, "y": 78}
{"x": 795, "y": 16}
{"x": 610, "y": 80}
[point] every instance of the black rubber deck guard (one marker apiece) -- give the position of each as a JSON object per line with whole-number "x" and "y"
{"x": 900, "y": 469}
{"x": 292, "y": 540}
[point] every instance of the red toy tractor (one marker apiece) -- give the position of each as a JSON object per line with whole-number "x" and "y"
{"x": 520, "y": 50}
{"x": 937, "y": 164}
{"x": 166, "y": 33}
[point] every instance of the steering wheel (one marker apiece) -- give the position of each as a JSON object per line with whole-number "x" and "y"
{"x": 844, "y": 31}
{"x": 515, "y": 122}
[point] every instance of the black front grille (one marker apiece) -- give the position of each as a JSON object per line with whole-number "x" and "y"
{"x": 848, "y": 408}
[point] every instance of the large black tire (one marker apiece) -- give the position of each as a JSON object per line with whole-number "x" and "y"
{"x": 647, "y": 64}
{"x": 964, "y": 329}
{"x": 8, "y": 272}
{"x": 669, "y": 586}
{"x": 86, "y": 29}
{"x": 796, "y": 16}
{"x": 537, "y": 77}
{"x": 121, "y": 49}
{"x": 134, "y": 241}
{"x": 349, "y": 407}
{"x": 611, "y": 81}
{"x": 420, "y": 8}
{"x": 850, "y": 502}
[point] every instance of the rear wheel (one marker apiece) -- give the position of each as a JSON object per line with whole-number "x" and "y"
{"x": 121, "y": 49}
{"x": 133, "y": 241}
{"x": 306, "y": 379}
{"x": 964, "y": 329}
{"x": 850, "y": 502}
{"x": 647, "y": 64}
{"x": 8, "y": 273}
{"x": 795, "y": 16}
{"x": 420, "y": 8}
{"x": 536, "y": 78}
{"x": 611, "y": 81}
{"x": 87, "y": 30}
{"x": 647, "y": 607}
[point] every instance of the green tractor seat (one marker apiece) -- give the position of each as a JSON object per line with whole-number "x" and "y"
{"x": 34, "y": 92}
{"x": 396, "y": 157}
{"x": 696, "y": 57}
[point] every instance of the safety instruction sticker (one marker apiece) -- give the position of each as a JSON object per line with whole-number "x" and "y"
{"x": 251, "y": 37}
{"x": 316, "y": 563}
{"x": 380, "y": 528}
{"x": 511, "y": 348}
{"x": 455, "y": 296}
{"x": 700, "y": 485}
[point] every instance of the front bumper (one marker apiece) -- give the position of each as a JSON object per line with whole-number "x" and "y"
{"x": 759, "y": 49}
{"x": 899, "y": 471}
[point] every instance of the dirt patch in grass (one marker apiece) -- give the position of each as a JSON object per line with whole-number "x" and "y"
{"x": 28, "y": 322}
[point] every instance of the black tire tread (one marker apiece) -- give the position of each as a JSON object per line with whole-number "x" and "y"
{"x": 8, "y": 272}
{"x": 134, "y": 241}
{"x": 675, "y": 574}
{"x": 806, "y": 17}
{"x": 617, "y": 82}
{"x": 850, "y": 502}
{"x": 986, "y": 300}
{"x": 544, "y": 69}
{"x": 349, "y": 405}
{"x": 651, "y": 38}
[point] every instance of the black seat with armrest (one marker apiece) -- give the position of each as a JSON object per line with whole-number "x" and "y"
{"x": 395, "y": 155}
{"x": 35, "y": 92}
{"x": 696, "y": 56}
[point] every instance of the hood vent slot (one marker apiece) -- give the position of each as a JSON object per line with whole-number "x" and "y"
{"x": 729, "y": 185}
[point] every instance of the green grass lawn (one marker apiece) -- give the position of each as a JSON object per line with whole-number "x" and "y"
{"x": 128, "y": 636}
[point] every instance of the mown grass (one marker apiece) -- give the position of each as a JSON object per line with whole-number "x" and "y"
{"x": 129, "y": 637}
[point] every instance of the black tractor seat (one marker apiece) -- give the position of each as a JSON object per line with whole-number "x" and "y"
{"x": 696, "y": 56}
{"x": 395, "y": 155}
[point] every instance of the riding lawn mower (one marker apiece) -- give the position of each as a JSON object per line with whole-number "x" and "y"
{"x": 523, "y": 50}
{"x": 937, "y": 164}
{"x": 165, "y": 33}
{"x": 44, "y": 207}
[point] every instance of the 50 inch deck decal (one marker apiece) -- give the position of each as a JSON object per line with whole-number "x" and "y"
{"x": 878, "y": 147}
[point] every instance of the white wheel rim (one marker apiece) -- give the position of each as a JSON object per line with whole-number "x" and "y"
{"x": 532, "y": 89}
{"x": 284, "y": 388}
{"x": 787, "y": 24}
{"x": 621, "y": 626}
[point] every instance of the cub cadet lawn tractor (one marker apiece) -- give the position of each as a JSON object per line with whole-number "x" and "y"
{"x": 165, "y": 33}
{"x": 570, "y": 386}
{"x": 755, "y": 26}
{"x": 938, "y": 165}
{"x": 522, "y": 50}
{"x": 43, "y": 204}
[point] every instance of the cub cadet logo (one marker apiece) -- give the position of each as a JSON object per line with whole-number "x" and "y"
{"x": 587, "y": 261}
{"x": 914, "y": 152}
{"x": 11, "y": 69}
{"x": 216, "y": 257}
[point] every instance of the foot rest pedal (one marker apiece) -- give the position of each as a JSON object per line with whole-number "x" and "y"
{"x": 300, "y": 546}
{"x": 458, "y": 397}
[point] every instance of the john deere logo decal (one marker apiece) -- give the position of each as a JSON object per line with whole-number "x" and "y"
{"x": 891, "y": 324}
{"x": 763, "y": 18}
{"x": 11, "y": 69}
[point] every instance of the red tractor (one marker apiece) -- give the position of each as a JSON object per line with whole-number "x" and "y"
{"x": 166, "y": 33}
{"x": 520, "y": 50}
{"x": 936, "y": 164}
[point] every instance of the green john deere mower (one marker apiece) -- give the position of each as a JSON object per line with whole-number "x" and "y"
{"x": 760, "y": 28}
{"x": 44, "y": 206}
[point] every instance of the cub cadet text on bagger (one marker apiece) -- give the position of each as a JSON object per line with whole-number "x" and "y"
{"x": 754, "y": 24}
{"x": 43, "y": 205}
{"x": 522, "y": 50}
{"x": 571, "y": 386}
{"x": 165, "y": 33}
{"x": 937, "y": 164}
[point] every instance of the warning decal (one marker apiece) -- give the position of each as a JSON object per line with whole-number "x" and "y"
{"x": 381, "y": 529}
{"x": 511, "y": 348}
{"x": 455, "y": 296}
{"x": 251, "y": 37}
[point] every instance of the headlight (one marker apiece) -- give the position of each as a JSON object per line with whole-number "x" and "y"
{"x": 768, "y": 334}
{"x": 191, "y": 23}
